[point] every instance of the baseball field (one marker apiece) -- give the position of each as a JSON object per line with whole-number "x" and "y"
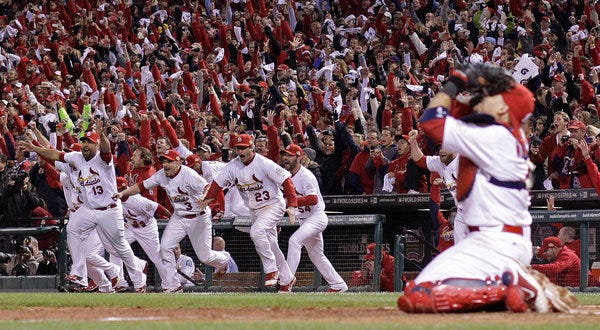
{"x": 260, "y": 311}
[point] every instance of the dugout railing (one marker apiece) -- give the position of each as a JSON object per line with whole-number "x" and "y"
{"x": 344, "y": 239}
{"x": 36, "y": 282}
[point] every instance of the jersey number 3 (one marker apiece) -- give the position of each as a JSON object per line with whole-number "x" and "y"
{"x": 262, "y": 196}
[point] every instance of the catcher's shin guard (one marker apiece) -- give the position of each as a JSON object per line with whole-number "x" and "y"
{"x": 450, "y": 296}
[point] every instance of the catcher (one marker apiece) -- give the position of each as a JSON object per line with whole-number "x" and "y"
{"x": 486, "y": 268}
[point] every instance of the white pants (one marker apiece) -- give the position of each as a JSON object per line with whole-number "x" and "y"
{"x": 147, "y": 237}
{"x": 460, "y": 228}
{"x": 482, "y": 255}
{"x": 199, "y": 230}
{"x": 310, "y": 235}
{"x": 97, "y": 266}
{"x": 264, "y": 235}
{"x": 109, "y": 224}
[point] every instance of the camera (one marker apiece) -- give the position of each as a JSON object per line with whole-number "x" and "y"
{"x": 565, "y": 139}
{"x": 18, "y": 177}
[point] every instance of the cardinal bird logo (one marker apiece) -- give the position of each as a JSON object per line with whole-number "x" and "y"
{"x": 256, "y": 179}
{"x": 181, "y": 191}
{"x": 93, "y": 171}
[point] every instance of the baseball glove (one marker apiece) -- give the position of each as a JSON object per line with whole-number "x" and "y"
{"x": 488, "y": 79}
{"x": 560, "y": 298}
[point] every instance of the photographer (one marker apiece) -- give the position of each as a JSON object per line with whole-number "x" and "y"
{"x": 17, "y": 200}
{"x": 571, "y": 172}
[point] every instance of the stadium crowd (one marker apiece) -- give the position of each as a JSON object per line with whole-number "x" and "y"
{"x": 346, "y": 80}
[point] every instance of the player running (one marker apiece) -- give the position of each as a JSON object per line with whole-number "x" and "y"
{"x": 259, "y": 181}
{"x": 183, "y": 186}
{"x": 313, "y": 220}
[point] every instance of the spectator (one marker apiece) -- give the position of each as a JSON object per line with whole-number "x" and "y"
{"x": 568, "y": 238}
{"x": 564, "y": 265}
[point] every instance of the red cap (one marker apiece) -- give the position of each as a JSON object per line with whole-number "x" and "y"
{"x": 121, "y": 183}
{"x": 263, "y": 84}
{"x": 282, "y": 67}
{"x": 193, "y": 159}
{"x": 559, "y": 78}
{"x": 242, "y": 140}
{"x": 370, "y": 252}
{"x": 576, "y": 124}
{"x": 91, "y": 136}
{"x": 7, "y": 88}
{"x": 549, "y": 242}
{"x": 293, "y": 150}
{"x": 171, "y": 155}
{"x": 520, "y": 103}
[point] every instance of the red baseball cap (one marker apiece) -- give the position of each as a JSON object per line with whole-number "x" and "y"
{"x": 370, "y": 252}
{"x": 121, "y": 183}
{"x": 549, "y": 242}
{"x": 576, "y": 124}
{"x": 171, "y": 155}
{"x": 242, "y": 140}
{"x": 91, "y": 136}
{"x": 263, "y": 84}
{"x": 193, "y": 159}
{"x": 293, "y": 150}
{"x": 282, "y": 67}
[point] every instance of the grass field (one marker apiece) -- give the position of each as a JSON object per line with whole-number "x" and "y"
{"x": 259, "y": 311}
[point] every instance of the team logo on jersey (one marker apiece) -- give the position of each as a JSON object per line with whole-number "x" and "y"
{"x": 90, "y": 180}
{"x": 256, "y": 179}
{"x": 181, "y": 191}
{"x": 252, "y": 186}
{"x": 130, "y": 215}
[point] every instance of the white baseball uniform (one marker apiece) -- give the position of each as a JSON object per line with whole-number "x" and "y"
{"x": 490, "y": 250}
{"x": 185, "y": 265}
{"x": 96, "y": 184}
{"x": 313, "y": 222}
{"x": 259, "y": 184}
{"x": 449, "y": 173}
{"x": 97, "y": 266}
{"x": 184, "y": 191}
{"x": 141, "y": 226}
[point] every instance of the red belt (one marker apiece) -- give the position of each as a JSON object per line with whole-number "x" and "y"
{"x": 111, "y": 206}
{"x": 506, "y": 228}
{"x": 192, "y": 216}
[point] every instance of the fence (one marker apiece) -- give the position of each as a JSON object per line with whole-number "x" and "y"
{"x": 345, "y": 240}
{"x": 545, "y": 223}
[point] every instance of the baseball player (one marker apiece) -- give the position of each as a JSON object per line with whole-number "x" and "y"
{"x": 96, "y": 182}
{"x": 446, "y": 164}
{"x": 140, "y": 225}
{"x": 495, "y": 201}
{"x": 313, "y": 220}
{"x": 97, "y": 266}
{"x": 259, "y": 181}
{"x": 184, "y": 187}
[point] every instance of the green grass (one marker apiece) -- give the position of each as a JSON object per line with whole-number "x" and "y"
{"x": 197, "y": 300}
{"x": 385, "y": 304}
